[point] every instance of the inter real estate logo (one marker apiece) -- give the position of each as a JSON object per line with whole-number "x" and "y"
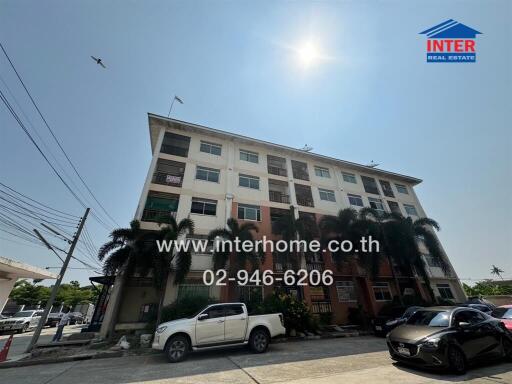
{"x": 451, "y": 42}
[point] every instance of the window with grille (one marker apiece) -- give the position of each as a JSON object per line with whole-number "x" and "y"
{"x": 326, "y": 194}
{"x": 322, "y": 172}
{"x": 355, "y": 200}
{"x": 204, "y": 207}
{"x": 349, "y": 178}
{"x": 249, "y": 156}
{"x": 207, "y": 174}
{"x": 346, "y": 291}
{"x": 248, "y": 181}
{"x": 212, "y": 148}
{"x": 401, "y": 189}
{"x": 410, "y": 209}
{"x": 249, "y": 212}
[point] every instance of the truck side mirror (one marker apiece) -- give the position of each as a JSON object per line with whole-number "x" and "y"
{"x": 202, "y": 316}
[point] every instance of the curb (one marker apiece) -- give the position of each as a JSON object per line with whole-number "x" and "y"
{"x": 65, "y": 359}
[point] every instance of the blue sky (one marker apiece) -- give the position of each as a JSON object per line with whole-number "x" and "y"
{"x": 371, "y": 97}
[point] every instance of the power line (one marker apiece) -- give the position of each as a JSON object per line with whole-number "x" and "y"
{"x": 22, "y": 126}
{"x": 55, "y": 137}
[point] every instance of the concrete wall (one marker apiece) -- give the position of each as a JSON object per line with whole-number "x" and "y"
{"x": 6, "y": 285}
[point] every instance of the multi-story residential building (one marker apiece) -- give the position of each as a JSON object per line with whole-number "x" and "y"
{"x": 210, "y": 175}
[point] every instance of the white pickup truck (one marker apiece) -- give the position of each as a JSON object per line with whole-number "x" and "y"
{"x": 217, "y": 325}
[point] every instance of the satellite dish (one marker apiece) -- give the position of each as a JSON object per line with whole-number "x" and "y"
{"x": 306, "y": 148}
{"x": 372, "y": 164}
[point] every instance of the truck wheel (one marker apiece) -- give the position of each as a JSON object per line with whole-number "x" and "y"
{"x": 177, "y": 348}
{"x": 259, "y": 340}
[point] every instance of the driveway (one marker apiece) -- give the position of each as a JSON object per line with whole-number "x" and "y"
{"x": 20, "y": 341}
{"x": 361, "y": 360}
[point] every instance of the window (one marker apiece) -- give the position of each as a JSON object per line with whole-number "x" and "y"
{"x": 370, "y": 186}
{"x": 250, "y": 293}
{"x": 204, "y": 207}
{"x": 381, "y": 291}
{"x": 471, "y": 317}
{"x": 300, "y": 170}
{"x": 445, "y": 291}
{"x": 326, "y": 194}
{"x": 376, "y": 204}
{"x": 247, "y": 181}
{"x": 207, "y": 174}
{"x": 401, "y": 188}
{"x": 322, "y": 172}
{"x": 233, "y": 309}
{"x": 214, "y": 149}
{"x": 193, "y": 289}
{"x": 430, "y": 318}
{"x": 386, "y": 188}
{"x": 276, "y": 165}
{"x": 249, "y": 156}
{"x": 355, "y": 200}
{"x": 394, "y": 207}
{"x": 249, "y": 212}
{"x": 345, "y": 291}
{"x": 410, "y": 210}
{"x": 215, "y": 311}
{"x": 349, "y": 178}
{"x": 176, "y": 145}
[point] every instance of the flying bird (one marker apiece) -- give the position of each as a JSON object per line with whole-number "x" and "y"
{"x": 98, "y": 61}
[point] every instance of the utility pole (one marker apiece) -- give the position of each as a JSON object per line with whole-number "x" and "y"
{"x": 50, "y": 301}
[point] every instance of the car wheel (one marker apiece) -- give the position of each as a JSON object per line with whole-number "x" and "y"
{"x": 259, "y": 340}
{"x": 24, "y": 329}
{"x": 177, "y": 348}
{"x": 457, "y": 361}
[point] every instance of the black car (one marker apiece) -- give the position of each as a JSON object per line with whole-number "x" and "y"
{"x": 481, "y": 307}
{"x": 449, "y": 337}
{"x": 390, "y": 318}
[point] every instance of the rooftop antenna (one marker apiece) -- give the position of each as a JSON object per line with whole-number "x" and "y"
{"x": 172, "y": 103}
{"x": 306, "y": 148}
{"x": 372, "y": 164}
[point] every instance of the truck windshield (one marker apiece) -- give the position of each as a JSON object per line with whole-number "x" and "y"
{"x": 430, "y": 318}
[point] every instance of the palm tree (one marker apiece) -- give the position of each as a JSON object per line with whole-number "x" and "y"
{"x": 233, "y": 231}
{"x": 352, "y": 225}
{"x": 401, "y": 235}
{"x": 161, "y": 264}
{"x": 497, "y": 271}
{"x": 290, "y": 229}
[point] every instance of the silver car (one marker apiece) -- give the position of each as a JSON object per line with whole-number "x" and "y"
{"x": 22, "y": 321}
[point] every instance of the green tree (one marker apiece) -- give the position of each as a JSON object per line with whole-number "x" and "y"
{"x": 25, "y": 293}
{"x": 241, "y": 259}
{"x": 487, "y": 288}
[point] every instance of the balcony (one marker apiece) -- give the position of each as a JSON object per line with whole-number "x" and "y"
{"x": 169, "y": 172}
{"x": 300, "y": 170}
{"x": 279, "y": 197}
{"x": 277, "y": 171}
{"x": 174, "y": 144}
{"x": 304, "y": 195}
{"x": 160, "y": 207}
{"x": 315, "y": 266}
{"x": 157, "y": 216}
{"x": 276, "y": 165}
{"x": 280, "y": 266}
{"x": 321, "y": 307}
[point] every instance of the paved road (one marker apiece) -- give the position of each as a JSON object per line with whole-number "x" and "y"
{"x": 352, "y": 360}
{"x": 20, "y": 341}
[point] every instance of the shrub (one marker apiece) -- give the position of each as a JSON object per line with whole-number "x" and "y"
{"x": 296, "y": 314}
{"x": 185, "y": 307}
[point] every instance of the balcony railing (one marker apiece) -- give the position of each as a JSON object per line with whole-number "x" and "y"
{"x": 305, "y": 201}
{"x": 277, "y": 171}
{"x": 321, "y": 307}
{"x": 280, "y": 267}
{"x": 157, "y": 216}
{"x": 279, "y": 197}
{"x": 174, "y": 150}
{"x": 167, "y": 179}
{"x": 310, "y": 266}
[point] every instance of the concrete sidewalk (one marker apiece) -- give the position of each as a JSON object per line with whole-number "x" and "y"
{"x": 350, "y": 360}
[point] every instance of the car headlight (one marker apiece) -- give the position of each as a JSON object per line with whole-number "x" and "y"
{"x": 161, "y": 329}
{"x": 432, "y": 342}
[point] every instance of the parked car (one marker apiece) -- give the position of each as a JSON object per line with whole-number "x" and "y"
{"x": 481, "y": 307}
{"x": 390, "y": 318}
{"x": 449, "y": 337}
{"x": 481, "y": 301}
{"x": 504, "y": 313}
{"x": 21, "y": 321}
{"x": 217, "y": 325}
{"x": 53, "y": 318}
